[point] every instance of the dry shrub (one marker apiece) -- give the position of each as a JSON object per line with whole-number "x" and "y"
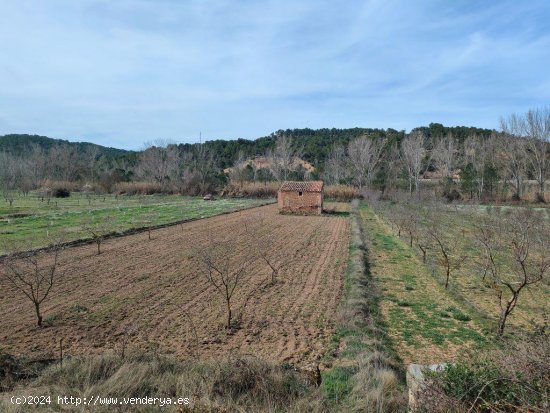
{"x": 244, "y": 384}
{"x": 342, "y": 192}
{"x": 137, "y": 188}
{"x": 270, "y": 189}
{"x": 376, "y": 384}
{"x": 251, "y": 189}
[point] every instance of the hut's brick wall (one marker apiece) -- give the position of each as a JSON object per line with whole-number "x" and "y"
{"x": 307, "y": 203}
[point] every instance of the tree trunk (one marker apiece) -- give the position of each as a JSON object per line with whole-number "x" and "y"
{"x": 505, "y": 312}
{"x": 38, "y": 315}
{"x": 541, "y": 191}
{"x": 423, "y": 254}
{"x": 502, "y": 321}
{"x": 228, "y": 314}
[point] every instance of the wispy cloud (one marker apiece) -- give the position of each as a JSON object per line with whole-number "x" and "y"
{"x": 123, "y": 72}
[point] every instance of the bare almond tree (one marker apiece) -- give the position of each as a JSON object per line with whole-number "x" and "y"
{"x": 98, "y": 228}
{"x": 364, "y": 155}
{"x": 413, "y": 152}
{"x": 32, "y": 274}
{"x": 225, "y": 270}
{"x": 517, "y": 252}
{"x": 423, "y": 242}
{"x": 411, "y": 225}
{"x": 146, "y": 221}
{"x": 450, "y": 256}
{"x": 264, "y": 245}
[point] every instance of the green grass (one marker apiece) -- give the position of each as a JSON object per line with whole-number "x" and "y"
{"x": 31, "y": 218}
{"x": 474, "y": 297}
{"x": 337, "y": 383}
{"x": 422, "y": 318}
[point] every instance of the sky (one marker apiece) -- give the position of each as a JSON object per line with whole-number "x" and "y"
{"x": 120, "y": 73}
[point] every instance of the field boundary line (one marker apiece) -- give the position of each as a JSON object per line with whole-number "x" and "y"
{"x": 367, "y": 374}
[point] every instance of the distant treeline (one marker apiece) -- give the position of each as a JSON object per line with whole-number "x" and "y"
{"x": 475, "y": 161}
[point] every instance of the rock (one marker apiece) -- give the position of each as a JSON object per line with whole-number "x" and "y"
{"x": 416, "y": 381}
{"x": 312, "y": 374}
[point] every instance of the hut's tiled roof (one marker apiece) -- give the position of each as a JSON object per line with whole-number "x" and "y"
{"x": 306, "y": 186}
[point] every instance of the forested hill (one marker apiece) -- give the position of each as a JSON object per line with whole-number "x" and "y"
{"x": 314, "y": 145}
{"x": 21, "y": 144}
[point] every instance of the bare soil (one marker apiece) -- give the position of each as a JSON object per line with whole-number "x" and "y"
{"x": 154, "y": 295}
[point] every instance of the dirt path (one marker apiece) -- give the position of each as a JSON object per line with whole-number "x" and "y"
{"x": 136, "y": 289}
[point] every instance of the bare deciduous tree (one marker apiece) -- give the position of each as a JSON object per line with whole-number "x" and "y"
{"x": 281, "y": 159}
{"x": 63, "y": 162}
{"x": 10, "y": 177}
{"x": 517, "y": 251}
{"x": 147, "y": 220}
{"x": 33, "y": 274}
{"x": 225, "y": 270}
{"x": 98, "y": 228}
{"x": 537, "y": 128}
{"x": 153, "y": 162}
{"x": 413, "y": 153}
{"x": 477, "y": 150}
{"x": 423, "y": 242}
{"x": 337, "y": 165}
{"x": 364, "y": 156}
{"x": 448, "y": 246}
{"x": 444, "y": 156}
{"x": 513, "y": 149}
{"x": 264, "y": 245}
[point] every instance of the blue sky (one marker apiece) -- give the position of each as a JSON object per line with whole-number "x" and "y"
{"x": 123, "y": 72}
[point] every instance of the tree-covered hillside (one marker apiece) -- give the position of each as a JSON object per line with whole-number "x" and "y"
{"x": 20, "y": 144}
{"x": 314, "y": 145}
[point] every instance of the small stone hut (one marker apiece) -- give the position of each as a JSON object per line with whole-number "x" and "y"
{"x": 301, "y": 197}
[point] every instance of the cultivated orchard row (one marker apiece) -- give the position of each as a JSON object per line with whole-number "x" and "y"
{"x": 254, "y": 280}
{"x": 494, "y": 260}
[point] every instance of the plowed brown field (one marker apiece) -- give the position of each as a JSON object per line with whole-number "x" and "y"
{"x": 154, "y": 294}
